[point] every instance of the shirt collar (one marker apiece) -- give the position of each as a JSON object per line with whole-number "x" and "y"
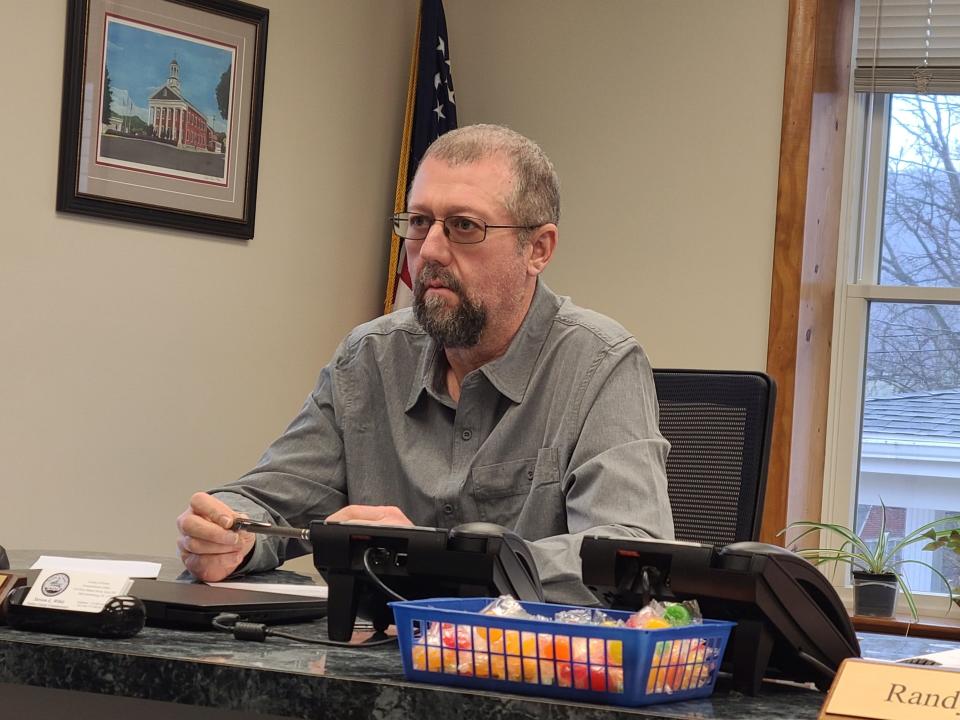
{"x": 510, "y": 373}
{"x": 423, "y": 378}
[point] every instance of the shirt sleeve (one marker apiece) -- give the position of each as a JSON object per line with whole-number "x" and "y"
{"x": 616, "y": 481}
{"x": 300, "y": 477}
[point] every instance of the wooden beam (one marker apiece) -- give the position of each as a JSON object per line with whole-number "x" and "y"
{"x": 815, "y": 99}
{"x": 903, "y": 625}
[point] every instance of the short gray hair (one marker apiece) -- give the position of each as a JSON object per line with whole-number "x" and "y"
{"x": 536, "y": 196}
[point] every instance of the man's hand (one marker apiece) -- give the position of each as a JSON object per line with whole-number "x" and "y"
{"x": 208, "y": 548}
{"x": 371, "y": 515}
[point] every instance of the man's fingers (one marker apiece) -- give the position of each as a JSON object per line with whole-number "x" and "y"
{"x": 194, "y": 525}
{"x": 210, "y": 568}
{"x": 357, "y": 513}
{"x": 374, "y": 514}
{"x": 208, "y": 548}
{"x": 196, "y": 546}
{"x": 216, "y": 511}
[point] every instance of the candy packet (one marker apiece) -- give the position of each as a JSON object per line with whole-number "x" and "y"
{"x": 586, "y": 616}
{"x": 656, "y": 615}
{"x": 507, "y": 606}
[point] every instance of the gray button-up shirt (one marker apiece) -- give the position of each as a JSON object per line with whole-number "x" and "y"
{"x": 555, "y": 439}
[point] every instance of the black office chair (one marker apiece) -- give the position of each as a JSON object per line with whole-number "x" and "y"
{"x": 719, "y": 425}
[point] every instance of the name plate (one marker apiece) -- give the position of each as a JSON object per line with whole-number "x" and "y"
{"x": 892, "y": 691}
{"x": 75, "y": 590}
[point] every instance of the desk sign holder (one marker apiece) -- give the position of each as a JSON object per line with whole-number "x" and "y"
{"x": 75, "y": 590}
{"x": 8, "y": 581}
{"x": 892, "y": 691}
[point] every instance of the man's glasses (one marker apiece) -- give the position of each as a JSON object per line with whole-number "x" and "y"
{"x": 458, "y": 228}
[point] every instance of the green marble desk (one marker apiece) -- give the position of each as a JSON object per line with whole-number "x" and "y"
{"x": 291, "y": 679}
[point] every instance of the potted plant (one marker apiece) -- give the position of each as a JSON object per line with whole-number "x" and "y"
{"x": 876, "y": 570}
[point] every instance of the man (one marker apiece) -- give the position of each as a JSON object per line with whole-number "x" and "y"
{"x": 493, "y": 399}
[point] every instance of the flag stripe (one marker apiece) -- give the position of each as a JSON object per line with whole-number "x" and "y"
{"x": 400, "y": 198}
{"x": 431, "y": 111}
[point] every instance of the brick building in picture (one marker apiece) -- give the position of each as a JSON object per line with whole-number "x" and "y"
{"x": 174, "y": 119}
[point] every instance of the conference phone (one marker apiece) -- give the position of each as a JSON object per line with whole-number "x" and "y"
{"x": 790, "y": 621}
{"x": 366, "y": 566}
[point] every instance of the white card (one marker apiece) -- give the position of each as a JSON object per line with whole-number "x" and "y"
{"x": 127, "y": 568}
{"x": 75, "y": 590}
{"x": 946, "y": 658}
{"x": 314, "y": 591}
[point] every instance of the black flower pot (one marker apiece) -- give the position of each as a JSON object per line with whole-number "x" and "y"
{"x": 874, "y": 595}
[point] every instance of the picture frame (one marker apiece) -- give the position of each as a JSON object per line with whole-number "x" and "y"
{"x": 162, "y": 106}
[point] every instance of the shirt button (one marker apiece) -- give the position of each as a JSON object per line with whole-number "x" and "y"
{"x": 529, "y": 474}
{"x": 448, "y": 509}
{"x": 466, "y": 434}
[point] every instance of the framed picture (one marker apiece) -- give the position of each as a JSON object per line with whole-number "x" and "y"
{"x": 162, "y": 101}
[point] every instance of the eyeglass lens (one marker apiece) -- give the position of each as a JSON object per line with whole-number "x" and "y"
{"x": 458, "y": 228}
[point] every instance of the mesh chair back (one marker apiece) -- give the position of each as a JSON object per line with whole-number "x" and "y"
{"x": 719, "y": 425}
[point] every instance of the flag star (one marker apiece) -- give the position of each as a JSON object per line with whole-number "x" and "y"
{"x": 450, "y": 95}
{"x": 436, "y": 81}
{"x": 440, "y": 47}
{"x": 439, "y": 111}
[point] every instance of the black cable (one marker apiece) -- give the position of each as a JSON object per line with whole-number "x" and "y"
{"x": 231, "y": 623}
{"x": 373, "y": 575}
{"x": 810, "y": 660}
{"x": 219, "y": 622}
{"x": 242, "y": 630}
{"x": 387, "y": 640}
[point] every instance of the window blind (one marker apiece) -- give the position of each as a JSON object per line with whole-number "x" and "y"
{"x": 908, "y": 46}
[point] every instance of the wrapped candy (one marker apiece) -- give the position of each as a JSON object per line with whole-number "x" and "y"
{"x": 569, "y": 656}
{"x": 680, "y": 665}
{"x": 657, "y": 616}
{"x": 643, "y": 617}
{"x": 585, "y": 616}
{"x": 575, "y": 616}
{"x": 507, "y": 606}
{"x": 682, "y": 614}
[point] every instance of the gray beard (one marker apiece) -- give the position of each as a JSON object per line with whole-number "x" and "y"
{"x": 458, "y": 327}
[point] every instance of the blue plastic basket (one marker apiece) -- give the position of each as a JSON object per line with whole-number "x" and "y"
{"x": 448, "y": 642}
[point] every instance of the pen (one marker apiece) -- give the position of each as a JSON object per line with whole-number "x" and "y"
{"x": 265, "y": 528}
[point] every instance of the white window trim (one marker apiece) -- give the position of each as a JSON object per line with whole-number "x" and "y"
{"x": 865, "y": 143}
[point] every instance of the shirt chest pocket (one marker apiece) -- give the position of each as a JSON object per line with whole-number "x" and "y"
{"x": 501, "y": 491}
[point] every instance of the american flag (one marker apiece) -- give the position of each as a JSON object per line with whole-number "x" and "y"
{"x": 431, "y": 111}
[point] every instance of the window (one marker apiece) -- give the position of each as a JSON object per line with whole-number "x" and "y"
{"x": 895, "y": 404}
{"x": 894, "y": 420}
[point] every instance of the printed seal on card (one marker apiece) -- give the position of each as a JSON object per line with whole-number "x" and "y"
{"x": 55, "y": 584}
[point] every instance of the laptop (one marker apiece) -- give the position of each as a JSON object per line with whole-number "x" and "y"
{"x": 193, "y": 606}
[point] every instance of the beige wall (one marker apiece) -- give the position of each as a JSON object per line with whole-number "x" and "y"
{"x": 663, "y": 120}
{"x": 139, "y": 364}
